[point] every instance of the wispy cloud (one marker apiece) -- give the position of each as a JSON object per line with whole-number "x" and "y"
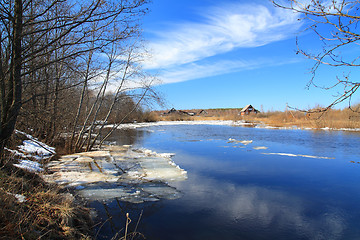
{"x": 183, "y": 46}
{"x": 196, "y": 70}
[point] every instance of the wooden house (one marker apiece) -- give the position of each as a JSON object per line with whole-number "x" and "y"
{"x": 248, "y": 109}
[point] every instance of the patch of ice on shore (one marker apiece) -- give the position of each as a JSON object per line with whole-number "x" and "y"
{"x": 218, "y": 122}
{"x": 33, "y": 147}
{"x": 170, "y": 123}
{"x": 16, "y": 153}
{"x": 30, "y": 166}
{"x": 297, "y": 155}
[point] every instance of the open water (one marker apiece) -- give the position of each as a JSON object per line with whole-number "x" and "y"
{"x": 260, "y": 184}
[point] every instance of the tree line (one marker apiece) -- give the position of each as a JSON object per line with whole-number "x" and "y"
{"x": 70, "y": 66}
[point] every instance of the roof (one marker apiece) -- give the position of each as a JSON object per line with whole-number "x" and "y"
{"x": 246, "y": 107}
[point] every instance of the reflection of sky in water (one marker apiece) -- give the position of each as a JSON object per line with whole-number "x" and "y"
{"x": 238, "y": 193}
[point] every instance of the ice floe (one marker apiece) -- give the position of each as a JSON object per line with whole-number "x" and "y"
{"x": 122, "y": 172}
{"x": 245, "y": 142}
{"x": 260, "y": 148}
{"x": 297, "y": 155}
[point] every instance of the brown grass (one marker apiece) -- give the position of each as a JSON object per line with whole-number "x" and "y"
{"x": 47, "y": 213}
{"x": 335, "y": 119}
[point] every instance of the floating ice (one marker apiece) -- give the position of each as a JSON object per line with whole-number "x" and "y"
{"x": 132, "y": 175}
{"x": 245, "y": 142}
{"x": 297, "y": 155}
{"x": 260, "y": 148}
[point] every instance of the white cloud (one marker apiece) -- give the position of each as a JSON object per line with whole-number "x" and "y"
{"x": 192, "y": 71}
{"x": 223, "y": 29}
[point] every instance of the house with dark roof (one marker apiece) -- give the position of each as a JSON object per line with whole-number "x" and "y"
{"x": 248, "y": 109}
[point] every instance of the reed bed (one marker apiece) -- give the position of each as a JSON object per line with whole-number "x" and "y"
{"x": 334, "y": 119}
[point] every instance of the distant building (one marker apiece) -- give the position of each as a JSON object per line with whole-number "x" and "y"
{"x": 173, "y": 110}
{"x": 248, "y": 109}
{"x": 203, "y": 112}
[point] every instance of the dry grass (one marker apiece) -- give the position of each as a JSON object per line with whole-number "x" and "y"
{"x": 335, "y": 119}
{"x": 47, "y": 213}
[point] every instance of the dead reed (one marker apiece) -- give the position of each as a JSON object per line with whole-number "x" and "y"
{"x": 334, "y": 119}
{"x": 32, "y": 209}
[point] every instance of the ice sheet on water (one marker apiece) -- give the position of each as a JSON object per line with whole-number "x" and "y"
{"x": 139, "y": 193}
{"x": 260, "y": 148}
{"x": 245, "y": 142}
{"x": 297, "y": 155}
{"x": 133, "y": 175}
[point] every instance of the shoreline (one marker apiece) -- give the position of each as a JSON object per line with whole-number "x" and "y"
{"x": 239, "y": 123}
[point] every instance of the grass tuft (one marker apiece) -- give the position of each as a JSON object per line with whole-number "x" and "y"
{"x": 47, "y": 212}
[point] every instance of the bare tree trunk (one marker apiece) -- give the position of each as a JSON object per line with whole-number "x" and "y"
{"x": 123, "y": 119}
{"x": 81, "y": 101}
{"x": 12, "y": 91}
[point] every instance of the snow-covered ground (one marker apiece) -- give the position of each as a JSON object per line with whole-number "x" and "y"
{"x": 218, "y": 122}
{"x": 171, "y": 123}
{"x": 31, "y": 152}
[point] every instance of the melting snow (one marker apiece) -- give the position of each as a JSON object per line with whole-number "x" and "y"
{"x": 30, "y": 166}
{"x": 19, "y": 197}
{"x": 32, "y": 147}
{"x": 170, "y": 123}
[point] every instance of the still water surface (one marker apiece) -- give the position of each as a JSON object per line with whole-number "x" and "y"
{"x": 285, "y": 184}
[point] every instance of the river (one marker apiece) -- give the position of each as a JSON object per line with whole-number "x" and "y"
{"x": 246, "y": 183}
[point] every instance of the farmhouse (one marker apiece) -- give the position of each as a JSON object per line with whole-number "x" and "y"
{"x": 248, "y": 109}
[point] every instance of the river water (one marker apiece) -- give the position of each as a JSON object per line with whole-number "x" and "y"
{"x": 246, "y": 183}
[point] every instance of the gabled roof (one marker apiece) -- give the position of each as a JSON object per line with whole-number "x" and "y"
{"x": 246, "y": 107}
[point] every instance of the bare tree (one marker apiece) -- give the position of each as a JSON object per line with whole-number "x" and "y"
{"x": 335, "y": 23}
{"x": 40, "y": 38}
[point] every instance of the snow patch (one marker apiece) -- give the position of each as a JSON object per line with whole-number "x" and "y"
{"x": 20, "y": 198}
{"x": 171, "y": 123}
{"x": 32, "y": 147}
{"x": 30, "y": 166}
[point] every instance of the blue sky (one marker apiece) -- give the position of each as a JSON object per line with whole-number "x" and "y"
{"x": 227, "y": 54}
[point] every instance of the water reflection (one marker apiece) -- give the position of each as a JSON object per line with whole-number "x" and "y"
{"x": 240, "y": 193}
{"x": 261, "y": 210}
{"x": 125, "y": 137}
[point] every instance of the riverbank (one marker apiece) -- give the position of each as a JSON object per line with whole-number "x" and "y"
{"x": 44, "y": 195}
{"x": 32, "y": 208}
{"x": 240, "y": 123}
{"x": 345, "y": 119}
